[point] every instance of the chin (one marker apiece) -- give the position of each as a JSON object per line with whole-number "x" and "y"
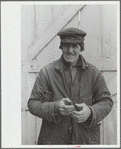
{"x": 69, "y": 61}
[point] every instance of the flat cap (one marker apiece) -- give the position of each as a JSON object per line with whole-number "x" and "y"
{"x": 72, "y": 32}
{"x": 72, "y": 35}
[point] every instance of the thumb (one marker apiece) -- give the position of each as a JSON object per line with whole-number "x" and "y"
{"x": 67, "y": 101}
{"x": 79, "y": 107}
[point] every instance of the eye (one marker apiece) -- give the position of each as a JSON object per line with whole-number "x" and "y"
{"x": 74, "y": 46}
{"x": 65, "y": 45}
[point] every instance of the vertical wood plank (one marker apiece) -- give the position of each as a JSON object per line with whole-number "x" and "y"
{"x": 28, "y": 120}
{"x": 90, "y": 23}
{"x": 38, "y": 127}
{"x": 24, "y": 128}
{"x": 31, "y": 129}
{"x": 23, "y": 33}
{"x": 24, "y": 115}
{"x": 30, "y": 25}
{"x": 28, "y": 28}
{"x": 110, "y": 122}
{"x": 31, "y": 118}
{"x": 109, "y": 31}
{"x": 110, "y": 126}
{"x": 43, "y": 18}
{"x": 24, "y": 88}
{"x": 109, "y": 36}
{"x": 102, "y": 133}
{"x": 27, "y": 23}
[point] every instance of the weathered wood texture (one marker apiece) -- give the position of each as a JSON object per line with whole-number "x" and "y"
{"x": 110, "y": 122}
{"x": 28, "y": 120}
{"x": 27, "y": 29}
{"x": 99, "y": 21}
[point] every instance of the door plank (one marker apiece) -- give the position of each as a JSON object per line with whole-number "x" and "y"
{"x": 110, "y": 122}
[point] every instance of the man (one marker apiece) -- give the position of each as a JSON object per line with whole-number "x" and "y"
{"x": 70, "y": 95}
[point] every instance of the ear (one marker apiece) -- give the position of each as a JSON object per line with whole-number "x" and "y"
{"x": 80, "y": 48}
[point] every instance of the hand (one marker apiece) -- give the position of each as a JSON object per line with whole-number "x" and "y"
{"x": 81, "y": 116}
{"x": 64, "y": 106}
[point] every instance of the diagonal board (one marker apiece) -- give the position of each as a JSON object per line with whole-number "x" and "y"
{"x": 57, "y": 25}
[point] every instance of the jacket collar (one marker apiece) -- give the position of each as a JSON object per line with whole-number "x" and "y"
{"x": 82, "y": 63}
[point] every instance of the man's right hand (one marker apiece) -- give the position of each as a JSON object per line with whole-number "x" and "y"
{"x": 64, "y": 106}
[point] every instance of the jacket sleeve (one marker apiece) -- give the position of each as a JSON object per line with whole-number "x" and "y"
{"x": 102, "y": 101}
{"x": 41, "y": 102}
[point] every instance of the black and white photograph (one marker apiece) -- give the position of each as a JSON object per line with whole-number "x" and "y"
{"x": 69, "y": 74}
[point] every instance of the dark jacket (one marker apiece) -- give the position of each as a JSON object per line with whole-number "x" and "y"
{"x": 89, "y": 88}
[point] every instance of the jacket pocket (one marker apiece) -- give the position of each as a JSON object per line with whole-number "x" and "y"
{"x": 88, "y": 100}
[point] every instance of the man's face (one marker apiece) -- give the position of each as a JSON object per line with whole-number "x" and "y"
{"x": 70, "y": 52}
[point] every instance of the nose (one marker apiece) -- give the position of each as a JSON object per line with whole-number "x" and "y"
{"x": 70, "y": 49}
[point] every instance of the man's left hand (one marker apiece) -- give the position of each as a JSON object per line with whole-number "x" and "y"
{"x": 81, "y": 116}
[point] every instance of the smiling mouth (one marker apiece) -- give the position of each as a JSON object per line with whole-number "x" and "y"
{"x": 70, "y": 55}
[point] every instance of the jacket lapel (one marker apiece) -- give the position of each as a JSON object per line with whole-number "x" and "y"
{"x": 59, "y": 68}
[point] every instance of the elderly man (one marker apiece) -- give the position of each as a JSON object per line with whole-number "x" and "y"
{"x": 70, "y": 95}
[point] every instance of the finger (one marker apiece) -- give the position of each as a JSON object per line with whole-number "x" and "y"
{"x": 78, "y": 119}
{"x": 62, "y": 109}
{"x": 66, "y": 110}
{"x": 70, "y": 107}
{"x": 67, "y": 99}
{"x": 76, "y": 116}
{"x": 65, "y": 113}
{"x": 69, "y": 111}
{"x": 78, "y": 113}
{"x": 80, "y": 104}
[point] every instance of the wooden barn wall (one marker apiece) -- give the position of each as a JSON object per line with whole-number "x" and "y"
{"x": 100, "y": 49}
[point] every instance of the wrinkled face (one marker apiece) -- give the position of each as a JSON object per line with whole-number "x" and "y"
{"x": 70, "y": 52}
